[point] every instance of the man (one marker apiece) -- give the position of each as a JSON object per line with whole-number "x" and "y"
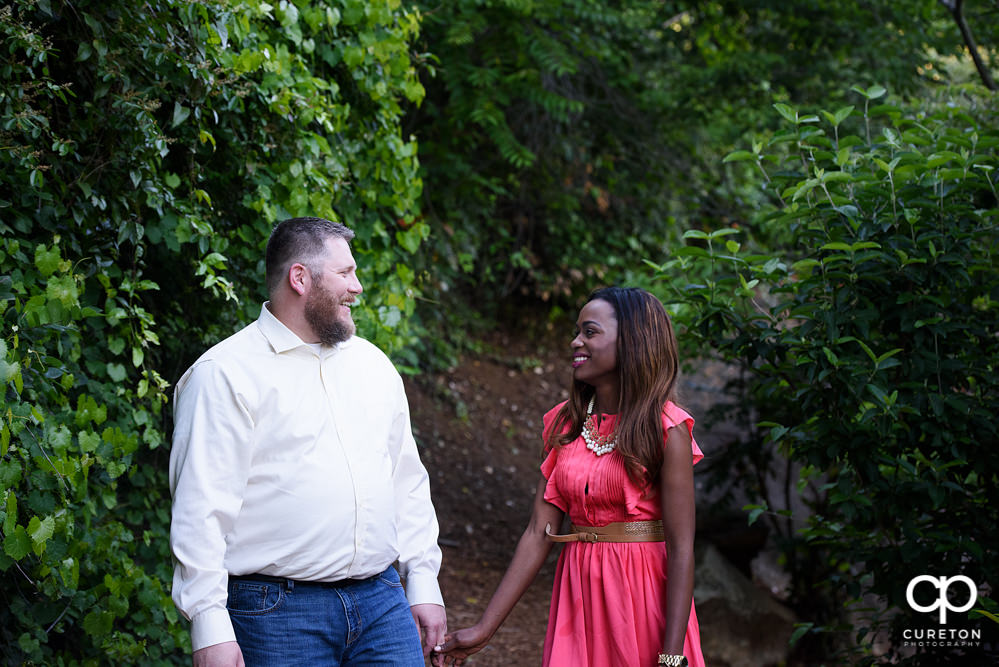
{"x": 297, "y": 484}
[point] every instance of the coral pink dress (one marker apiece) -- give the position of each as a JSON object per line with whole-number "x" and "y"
{"x": 609, "y": 599}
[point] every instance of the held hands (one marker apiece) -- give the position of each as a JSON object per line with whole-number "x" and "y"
{"x": 431, "y": 621}
{"x": 461, "y": 644}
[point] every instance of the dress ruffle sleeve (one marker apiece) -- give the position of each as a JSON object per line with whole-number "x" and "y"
{"x": 674, "y": 415}
{"x": 552, "y": 493}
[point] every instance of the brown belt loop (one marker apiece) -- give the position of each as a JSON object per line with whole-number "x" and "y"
{"x": 622, "y": 531}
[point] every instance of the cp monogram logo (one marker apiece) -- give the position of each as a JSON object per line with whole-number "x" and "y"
{"x": 943, "y": 604}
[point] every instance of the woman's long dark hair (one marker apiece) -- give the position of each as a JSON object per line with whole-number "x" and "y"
{"x": 647, "y": 367}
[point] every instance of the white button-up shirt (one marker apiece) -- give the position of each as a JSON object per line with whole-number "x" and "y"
{"x": 297, "y": 461}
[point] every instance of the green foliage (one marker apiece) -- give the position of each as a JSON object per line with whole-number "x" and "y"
{"x": 542, "y": 145}
{"x": 146, "y": 152}
{"x": 869, "y": 336}
{"x": 563, "y": 141}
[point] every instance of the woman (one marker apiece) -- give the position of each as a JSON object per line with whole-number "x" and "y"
{"x": 619, "y": 459}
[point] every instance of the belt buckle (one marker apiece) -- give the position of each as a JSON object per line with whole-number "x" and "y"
{"x": 588, "y": 537}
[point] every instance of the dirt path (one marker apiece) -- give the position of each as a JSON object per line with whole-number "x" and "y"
{"x": 479, "y": 433}
{"x": 467, "y": 586}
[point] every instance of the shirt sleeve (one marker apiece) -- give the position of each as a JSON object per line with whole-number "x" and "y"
{"x": 209, "y": 466}
{"x": 416, "y": 520}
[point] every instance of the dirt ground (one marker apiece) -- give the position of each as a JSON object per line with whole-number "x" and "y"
{"x": 479, "y": 431}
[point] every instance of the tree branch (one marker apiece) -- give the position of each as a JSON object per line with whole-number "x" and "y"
{"x": 956, "y": 9}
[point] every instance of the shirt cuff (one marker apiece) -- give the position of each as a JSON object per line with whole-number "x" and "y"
{"x": 423, "y": 589}
{"x": 211, "y": 627}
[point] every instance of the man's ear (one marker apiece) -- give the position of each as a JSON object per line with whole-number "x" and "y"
{"x": 299, "y": 278}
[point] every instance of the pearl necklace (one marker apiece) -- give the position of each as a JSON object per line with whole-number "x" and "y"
{"x": 596, "y": 442}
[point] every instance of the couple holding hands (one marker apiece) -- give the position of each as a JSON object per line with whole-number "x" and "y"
{"x": 297, "y": 485}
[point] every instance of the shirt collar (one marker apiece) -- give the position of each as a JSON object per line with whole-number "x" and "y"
{"x": 282, "y": 338}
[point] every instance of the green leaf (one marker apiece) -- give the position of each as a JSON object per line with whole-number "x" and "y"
{"x": 47, "y": 260}
{"x": 787, "y": 112}
{"x": 116, "y": 372}
{"x": 83, "y": 52}
{"x": 116, "y": 345}
{"x": 739, "y": 156}
{"x": 843, "y": 113}
{"x": 8, "y": 370}
{"x": 180, "y": 114}
{"x": 836, "y": 176}
{"x": 17, "y": 544}
{"x": 409, "y": 239}
{"x": 64, "y": 290}
{"x": 867, "y": 350}
{"x": 10, "y": 517}
{"x": 871, "y": 93}
{"x": 98, "y": 623}
{"x": 89, "y": 441}
{"x": 800, "y": 629}
{"x": 890, "y": 353}
{"x": 69, "y": 569}
{"x": 805, "y": 264}
{"x": 353, "y": 56}
{"x": 981, "y": 612}
{"x": 754, "y": 512}
{"x": 40, "y": 532}
{"x": 880, "y": 394}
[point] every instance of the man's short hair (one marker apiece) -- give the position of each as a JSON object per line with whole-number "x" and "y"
{"x": 300, "y": 240}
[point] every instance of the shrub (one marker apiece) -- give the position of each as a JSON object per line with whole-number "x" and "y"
{"x": 869, "y": 334}
{"x": 147, "y": 150}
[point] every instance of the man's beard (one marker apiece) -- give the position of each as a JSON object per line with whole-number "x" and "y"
{"x": 322, "y": 312}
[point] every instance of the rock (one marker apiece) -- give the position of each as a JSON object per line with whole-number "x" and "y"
{"x": 741, "y": 625}
{"x": 769, "y": 575}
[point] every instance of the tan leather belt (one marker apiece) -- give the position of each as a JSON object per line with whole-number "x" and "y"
{"x": 622, "y": 531}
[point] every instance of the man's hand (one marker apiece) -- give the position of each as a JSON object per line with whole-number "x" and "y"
{"x": 432, "y": 624}
{"x": 226, "y": 654}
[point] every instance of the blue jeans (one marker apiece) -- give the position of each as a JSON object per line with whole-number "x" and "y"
{"x": 279, "y": 624}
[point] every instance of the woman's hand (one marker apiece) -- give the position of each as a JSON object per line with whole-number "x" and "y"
{"x": 532, "y": 550}
{"x": 459, "y": 645}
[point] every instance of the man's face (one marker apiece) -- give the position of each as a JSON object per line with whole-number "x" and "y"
{"x": 334, "y": 286}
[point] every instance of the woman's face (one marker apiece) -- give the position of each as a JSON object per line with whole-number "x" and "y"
{"x": 594, "y": 349}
